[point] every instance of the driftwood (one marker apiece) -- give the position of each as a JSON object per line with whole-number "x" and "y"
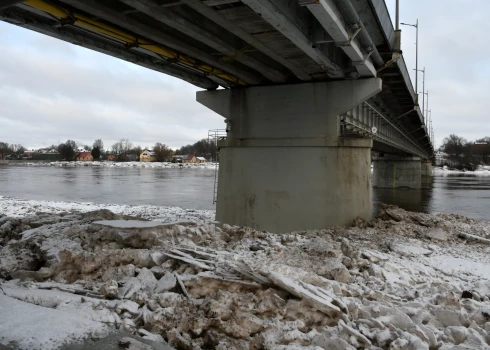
{"x": 245, "y": 270}
{"x": 84, "y": 292}
{"x": 320, "y": 301}
{"x": 178, "y": 255}
{"x": 475, "y": 238}
{"x": 181, "y": 284}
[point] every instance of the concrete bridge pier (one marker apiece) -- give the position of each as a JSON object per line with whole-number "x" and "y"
{"x": 426, "y": 168}
{"x": 284, "y": 166}
{"x": 397, "y": 172}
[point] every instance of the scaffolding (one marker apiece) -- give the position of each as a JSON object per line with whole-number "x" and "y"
{"x": 214, "y": 136}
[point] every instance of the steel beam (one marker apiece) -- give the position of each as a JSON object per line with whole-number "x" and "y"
{"x": 225, "y": 23}
{"x": 100, "y": 11}
{"x": 9, "y": 3}
{"x": 329, "y": 16}
{"x": 111, "y": 48}
{"x": 198, "y": 32}
{"x": 269, "y": 12}
{"x": 219, "y": 2}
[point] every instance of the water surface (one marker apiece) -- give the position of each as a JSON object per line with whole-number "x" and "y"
{"x": 192, "y": 188}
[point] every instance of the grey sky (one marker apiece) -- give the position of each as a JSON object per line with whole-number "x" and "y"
{"x": 51, "y": 91}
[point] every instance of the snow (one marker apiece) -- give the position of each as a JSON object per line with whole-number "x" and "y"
{"x": 482, "y": 170}
{"x": 410, "y": 249}
{"x": 390, "y": 283}
{"x": 454, "y": 265}
{"x": 156, "y": 165}
{"x": 33, "y": 327}
{"x": 17, "y": 207}
{"x": 131, "y": 224}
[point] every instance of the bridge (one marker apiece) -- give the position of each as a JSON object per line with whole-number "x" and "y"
{"x": 308, "y": 89}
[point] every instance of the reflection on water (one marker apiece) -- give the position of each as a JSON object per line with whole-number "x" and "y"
{"x": 463, "y": 194}
{"x": 188, "y": 188}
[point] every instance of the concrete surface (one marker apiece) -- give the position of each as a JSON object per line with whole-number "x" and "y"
{"x": 283, "y": 166}
{"x": 426, "y": 168}
{"x": 397, "y": 172}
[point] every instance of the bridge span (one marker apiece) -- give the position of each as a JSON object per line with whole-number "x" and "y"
{"x": 308, "y": 89}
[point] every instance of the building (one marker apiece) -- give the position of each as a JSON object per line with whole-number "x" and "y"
{"x": 84, "y": 157}
{"x": 130, "y": 157}
{"x": 111, "y": 157}
{"x": 51, "y": 157}
{"x": 200, "y": 160}
{"x": 185, "y": 158}
{"x": 148, "y": 156}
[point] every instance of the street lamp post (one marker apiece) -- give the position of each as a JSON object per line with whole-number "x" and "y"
{"x": 427, "y": 108}
{"x": 416, "y": 58}
{"x": 423, "y": 92}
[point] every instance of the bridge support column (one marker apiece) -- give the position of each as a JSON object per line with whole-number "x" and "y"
{"x": 397, "y": 172}
{"x": 283, "y": 166}
{"x": 426, "y": 168}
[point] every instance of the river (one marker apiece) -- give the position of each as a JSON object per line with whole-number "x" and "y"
{"x": 192, "y": 188}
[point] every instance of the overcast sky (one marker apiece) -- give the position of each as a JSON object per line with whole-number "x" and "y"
{"x": 51, "y": 91}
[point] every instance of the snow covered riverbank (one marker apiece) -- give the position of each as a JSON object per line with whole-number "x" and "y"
{"x": 402, "y": 281}
{"x": 16, "y": 207}
{"x": 156, "y": 165}
{"x": 482, "y": 170}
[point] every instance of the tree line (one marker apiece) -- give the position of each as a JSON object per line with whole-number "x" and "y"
{"x": 122, "y": 150}
{"x": 7, "y": 149}
{"x": 463, "y": 154}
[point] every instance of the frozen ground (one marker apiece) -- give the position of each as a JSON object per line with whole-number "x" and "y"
{"x": 483, "y": 170}
{"x": 403, "y": 281}
{"x": 208, "y": 165}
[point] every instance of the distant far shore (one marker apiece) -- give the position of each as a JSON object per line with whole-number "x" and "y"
{"x": 208, "y": 165}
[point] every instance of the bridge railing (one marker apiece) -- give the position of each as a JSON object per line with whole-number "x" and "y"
{"x": 367, "y": 121}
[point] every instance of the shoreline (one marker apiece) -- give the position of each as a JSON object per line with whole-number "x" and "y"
{"x": 19, "y": 208}
{"x": 207, "y": 165}
{"x": 404, "y": 280}
{"x": 483, "y": 170}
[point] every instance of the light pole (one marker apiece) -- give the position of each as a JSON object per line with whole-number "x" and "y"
{"x": 429, "y": 131}
{"x": 427, "y": 108}
{"x": 416, "y": 58}
{"x": 423, "y": 91}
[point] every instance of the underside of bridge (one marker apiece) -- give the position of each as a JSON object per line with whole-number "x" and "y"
{"x": 308, "y": 85}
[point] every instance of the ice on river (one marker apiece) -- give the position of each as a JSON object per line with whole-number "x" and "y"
{"x": 16, "y": 207}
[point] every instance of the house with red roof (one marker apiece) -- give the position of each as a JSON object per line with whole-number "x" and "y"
{"x": 84, "y": 156}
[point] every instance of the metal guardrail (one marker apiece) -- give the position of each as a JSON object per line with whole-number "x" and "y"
{"x": 366, "y": 120}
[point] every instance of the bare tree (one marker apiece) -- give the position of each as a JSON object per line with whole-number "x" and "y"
{"x": 68, "y": 150}
{"x": 121, "y": 148}
{"x": 162, "y": 152}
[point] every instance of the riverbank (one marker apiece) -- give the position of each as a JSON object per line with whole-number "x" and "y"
{"x": 402, "y": 281}
{"x": 206, "y": 165}
{"x": 18, "y": 208}
{"x": 482, "y": 170}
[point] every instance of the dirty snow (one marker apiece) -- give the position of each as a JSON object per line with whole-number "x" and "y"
{"x": 391, "y": 283}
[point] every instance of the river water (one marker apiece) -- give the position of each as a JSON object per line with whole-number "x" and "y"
{"x": 192, "y": 188}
